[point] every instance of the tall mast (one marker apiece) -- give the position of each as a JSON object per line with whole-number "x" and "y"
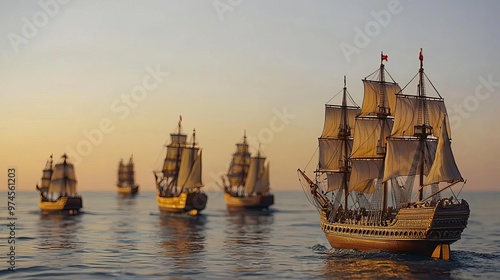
{"x": 383, "y": 111}
{"x": 422, "y": 129}
{"x": 344, "y": 133}
{"x": 179, "y": 150}
{"x": 243, "y": 172}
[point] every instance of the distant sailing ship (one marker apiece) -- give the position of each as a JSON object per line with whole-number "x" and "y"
{"x": 248, "y": 180}
{"x": 393, "y": 141}
{"x": 58, "y": 191}
{"x": 126, "y": 178}
{"x": 179, "y": 183}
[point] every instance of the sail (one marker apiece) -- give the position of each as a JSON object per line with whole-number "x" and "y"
{"x": 363, "y": 174}
{"x": 368, "y": 132}
{"x": 47, "y": 175}
{"x": 403, "y": 154}
{"x": 174, "y": 152}
{"x": 331, "y": 153}
{"x": 63, "y": 179}
{"x": 334, "y": 181}
{"x": 444, "y": 167}
{"x": 238, "y": 169}
{"x": 372, "y": 93}
{"x": 130, "y": 172}
{"x": 254, "y": 173}
{"x": 262, "y": 183}
{"x": 189, "y": 154}
{"x": 407, "y": 112}
{"x": 334, "y": 117}
{"x": 193, "y": 179}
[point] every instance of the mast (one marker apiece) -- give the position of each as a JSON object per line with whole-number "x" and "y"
{"x": 344, "y": 133}
{"x": 422, "y": 129}
{"x": 178, "y": 159}
{"x": 383, "y": 112}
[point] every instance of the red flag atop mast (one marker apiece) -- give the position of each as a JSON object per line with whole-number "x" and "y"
{"x": 383, "y": 57}
{"x": 180, "y": 118}
{"x": 421, "y": 55}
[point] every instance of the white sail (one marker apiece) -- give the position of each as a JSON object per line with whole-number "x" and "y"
{"x": 334, "y": 181}
{"x": 364, "y": 173}
{"x": 334, "y": 117}
{"x": 331, "y": 153}
{"x": 63, "y": 179}
{"x": 262, "y": 183}
{"x": 193, "y": 179}
{"x": 401, "y": 157}
{"x": 372, "y": 92}
{"x": 407, "y": 114}
{"x": 188, "y": 157}
{"x": 444, "y": 167}
{"x": 368, "y": 134}
{"x": 47, "y": 175}
{"x": 254, "y": 173}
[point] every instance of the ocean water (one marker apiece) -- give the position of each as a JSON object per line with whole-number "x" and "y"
{"x": 127, "y": 238}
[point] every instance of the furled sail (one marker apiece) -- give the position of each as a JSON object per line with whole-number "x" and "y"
{"x": 444, "y": 167}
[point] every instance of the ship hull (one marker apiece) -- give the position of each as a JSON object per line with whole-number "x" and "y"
{"x": 64, "y": 205}
{"x": 426, "y": 231}
{"x": 257, "y": 202}
{"x": 191, "y": 203}
{"x": 128, "y": 190}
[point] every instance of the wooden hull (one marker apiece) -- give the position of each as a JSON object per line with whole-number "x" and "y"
{"x": 65, "y": 205}
{"x": 191, "y": 203}
{"x": 128, "y": 190}
{"x": 425, "y": 230}
{"x": 257, "y": 202}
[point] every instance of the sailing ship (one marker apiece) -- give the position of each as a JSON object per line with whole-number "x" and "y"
{"x": 58, "y": 188}
{"x": 179, "y": 183}
{"x": 126, "y": 178}
{"x": 248, "y": 180}
{"x": 369, "y": 160}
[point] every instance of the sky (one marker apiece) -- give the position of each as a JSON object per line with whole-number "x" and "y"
{"x": 101, "y": 80}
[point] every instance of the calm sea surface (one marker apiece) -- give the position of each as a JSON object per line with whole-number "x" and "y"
{"x": 127, "y": 238}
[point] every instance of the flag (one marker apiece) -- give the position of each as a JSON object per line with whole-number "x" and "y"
{"x": 384, "y": 57}
{"x": 180, "y": 118}
{"x": 421, "y": 56}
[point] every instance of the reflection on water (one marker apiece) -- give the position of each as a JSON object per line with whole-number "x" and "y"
{"x": 58, "y": 231}
{"x": 182, "y": 241}
{"x": 247, "y": 240}
{"x": 126, "y": 203}
{"x": 380, "y": 265}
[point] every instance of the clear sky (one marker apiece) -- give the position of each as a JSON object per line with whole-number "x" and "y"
{"x": 101, "y": 80}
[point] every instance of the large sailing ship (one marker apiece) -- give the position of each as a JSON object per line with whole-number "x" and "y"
{"x": 247, "y": 185}
{"x": 126, "y": 178}
{"x": 179, "y": 183}
{"x": 369, "y": 160}
{"x": 58, "y": 188}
